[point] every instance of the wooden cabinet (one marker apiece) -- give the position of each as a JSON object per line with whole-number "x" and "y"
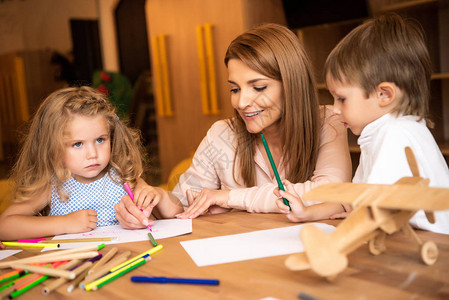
{"x": 433, "y": 15}
{"x": 188, "y": 40}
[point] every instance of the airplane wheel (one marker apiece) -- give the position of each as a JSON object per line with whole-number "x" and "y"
{"x": 377, "y": 244}
{"x": 429, "y": 252}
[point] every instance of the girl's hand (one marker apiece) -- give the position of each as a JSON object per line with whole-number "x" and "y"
{"x": 81, "y": 221}
{"x": 199, "y": 203}
{"x": 129, "y": 215}
{"x": 2, "y": 246}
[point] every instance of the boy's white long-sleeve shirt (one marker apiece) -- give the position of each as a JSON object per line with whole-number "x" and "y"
{"x": 383, "y": 160}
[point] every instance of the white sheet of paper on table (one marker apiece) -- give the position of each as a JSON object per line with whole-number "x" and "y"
{"x": 7, "y": 253}
{"x": 161, "y": 229}
{"x": 246, "y": 246}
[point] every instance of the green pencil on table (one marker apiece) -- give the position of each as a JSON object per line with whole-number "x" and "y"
{"x": 275, "y": 171}
{"x": 153, "y": 241}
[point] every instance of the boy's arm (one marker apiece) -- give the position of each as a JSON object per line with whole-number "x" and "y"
{"x": 301, "y": 213}
{"x": 19, "y": 221}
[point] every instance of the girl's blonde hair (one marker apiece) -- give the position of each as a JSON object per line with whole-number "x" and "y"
{"x": 40, "y": 163}
{"x": 386, "y": 49}
{"x": 275, "y": 51}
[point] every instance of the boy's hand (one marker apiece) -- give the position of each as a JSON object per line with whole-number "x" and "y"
{"x": 81, "y": 221}
{"x": 298, "y": 212}
{"x": 129, "y": 215}
{"x": 208, "y": 201}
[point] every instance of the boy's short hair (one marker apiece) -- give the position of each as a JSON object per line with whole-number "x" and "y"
{"x": 386, "y": 49}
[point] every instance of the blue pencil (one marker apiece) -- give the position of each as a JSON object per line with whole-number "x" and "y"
{"x": 174, "y": 280}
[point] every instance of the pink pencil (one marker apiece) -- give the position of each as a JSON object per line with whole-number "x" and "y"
{"x": 31, "y": 240}
{"x": 131, "y": 195}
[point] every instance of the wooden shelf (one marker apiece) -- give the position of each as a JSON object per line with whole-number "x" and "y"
{"x": 439, "y": 76}
{"x": 321, "y": 86}
{"x": 444, "y": 147}
{"x": 380, "y": 8}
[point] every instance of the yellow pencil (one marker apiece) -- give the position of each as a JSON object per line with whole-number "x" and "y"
{"x": 33, "y": 245}
{"x": 150, "y": 252}
{"x": 105, "y": 268}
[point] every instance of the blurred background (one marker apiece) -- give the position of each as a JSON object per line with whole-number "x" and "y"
{"x": 161, "y": 61}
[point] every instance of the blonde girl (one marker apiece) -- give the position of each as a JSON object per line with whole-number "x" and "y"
{"x": 75, "y": 159}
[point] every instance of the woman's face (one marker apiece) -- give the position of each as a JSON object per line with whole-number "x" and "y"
{"x": 258, "y": 99}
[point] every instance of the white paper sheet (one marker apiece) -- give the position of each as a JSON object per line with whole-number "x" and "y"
{"x": 161, "y": 229}
{"x": 7, "y": 253}
{"x": 245, "y": 246}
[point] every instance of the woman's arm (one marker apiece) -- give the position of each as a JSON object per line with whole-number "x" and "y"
{"x": 18, "y": 221}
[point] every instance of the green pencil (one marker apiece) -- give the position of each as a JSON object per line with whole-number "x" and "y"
{"x": 114, "y": 275}
{"x": 273, "y": 166}
{"x": 18, "y": 274}
{"x": 153, "y": 241}
{"x": 28, "y": 287}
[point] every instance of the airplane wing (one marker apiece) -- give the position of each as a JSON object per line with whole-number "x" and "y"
{"x": 394, "y": 196}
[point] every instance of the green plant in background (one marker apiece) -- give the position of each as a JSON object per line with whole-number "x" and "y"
{"x": 117, "y": 87}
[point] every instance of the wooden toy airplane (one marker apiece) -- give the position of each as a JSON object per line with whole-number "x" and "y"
{"x": 378, "y": 210}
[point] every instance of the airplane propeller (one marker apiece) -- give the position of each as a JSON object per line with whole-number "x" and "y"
{"x": 415, "y": 171}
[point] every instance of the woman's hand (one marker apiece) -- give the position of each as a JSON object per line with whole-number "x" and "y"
{"x": 208, "y": 201}
{"x": 129, "y": 215}
{"x": 146, "y": 197}
{"x": 81, "y": 221}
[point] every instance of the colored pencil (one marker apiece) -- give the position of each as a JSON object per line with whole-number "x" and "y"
{"x": 60, "y": 281}
{"x": 103, "y": 260}
{"x": 18, "y": 290}
{"x": 77, "y": 269}
{"x": 45, "y": 271}
{"x": 43, "y": 257}
{"x": 31, "y": 240}
{"x": 114, "y": 275}
{"x": 131, "y": 195}
{"x": 105, "y": 268}
{"x": 77, "y": 281}
{"x": 33, "y": 245}
{"x": 12, "y": 275}
{"x": 273, "y": 166}
{"x": 175, "y": 280}
{"x": 153, "y": 241}
{"x": 150, "y": 252}
{"x": 86, "y": 240}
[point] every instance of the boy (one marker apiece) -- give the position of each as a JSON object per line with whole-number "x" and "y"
{"x": 379, "y": 76}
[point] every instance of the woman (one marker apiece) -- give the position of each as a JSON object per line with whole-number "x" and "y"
{"x": 273, "y": 92}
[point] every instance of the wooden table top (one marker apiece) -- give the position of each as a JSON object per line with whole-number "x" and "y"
{"x": 398, "y": 273}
